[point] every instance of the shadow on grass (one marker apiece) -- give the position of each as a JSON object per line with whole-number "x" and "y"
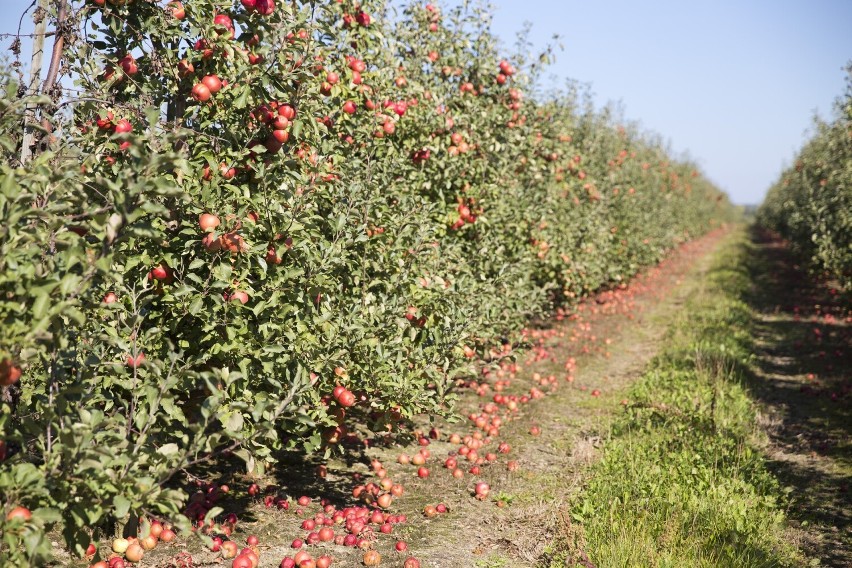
{"x": 804, "y": 372}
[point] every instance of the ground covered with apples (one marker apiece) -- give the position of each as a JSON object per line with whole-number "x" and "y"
{"x": 345, "y": 283}
{"x": 679, "y": 418}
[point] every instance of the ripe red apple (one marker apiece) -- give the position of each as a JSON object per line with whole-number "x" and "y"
{"x": 238, "y": 295}
{"x": 208, "y": 222}
{"x": 272, "y": 256}
{"x": 345, "y": 398}
{"x": 104, "y": 121}
{"x": 233, "y": 242}
{"x": 281, "y": 136}
{"x": 363, "y": 18}
{"x": 9, "y": 372}
{"x": 226, "y": 171}
{"x": 201, "y": 93}
{"x": 123, "y": 126}
{"x": 481, "y": 490}
{"x": 272, "y": 144}
{"x": 211, "y": 242}
{"x": 135, "y": 362}
{"x": 280, "y": 123}
{"x": 265, "y": 7}
{"x": 128, "y": 65}
{"x": 212, "y": 82}
{"x": 161, "y": 272}
{"x": 224, "y": 21}
{"x": 19, "y": 513}
{"x": 178, "y": 11}
{"x": 185, "y": 68}
{"x": 349, "y": 107}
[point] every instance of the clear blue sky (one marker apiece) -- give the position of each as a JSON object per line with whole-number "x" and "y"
{"x": 734, "y": 83}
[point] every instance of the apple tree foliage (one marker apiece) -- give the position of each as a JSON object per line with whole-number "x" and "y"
{"x": 393, "y": 196}
{"x": 811, "y": 203}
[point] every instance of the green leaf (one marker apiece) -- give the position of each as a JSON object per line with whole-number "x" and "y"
{"x": 40, "y": 305}
{"x": 121, "y": 505}
{"x": 242, "y": 99}
{"x": 168, "y": 449}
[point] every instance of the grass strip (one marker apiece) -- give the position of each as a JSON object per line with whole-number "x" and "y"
{"x": 682, "y": 480}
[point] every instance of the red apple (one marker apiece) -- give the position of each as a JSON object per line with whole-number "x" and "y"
{"x": 208, "y": 222}
{"x": 212, "y": 82}
{"x": 178, "y": 11}
{"x": 135, "y": 362}
{"x": 201, "y": 93}
{"x": 128, "y": 64}
{"x": 123, "y": 126}
{"x": 9, "y": 372}
{"x": 19, "y": 514}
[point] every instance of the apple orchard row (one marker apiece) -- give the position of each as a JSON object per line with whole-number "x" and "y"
{"x": 260, "y": 225}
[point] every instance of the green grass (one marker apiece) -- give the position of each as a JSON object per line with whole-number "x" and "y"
{"x": 682, "y": 480}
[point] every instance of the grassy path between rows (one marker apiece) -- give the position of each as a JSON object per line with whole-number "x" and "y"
{"x": 682, "y": 480}
{"x": 735, "y": 449}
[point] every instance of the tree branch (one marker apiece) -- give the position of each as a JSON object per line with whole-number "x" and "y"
{"x": 58, "y": 47}
{"x": 56, "y": 56}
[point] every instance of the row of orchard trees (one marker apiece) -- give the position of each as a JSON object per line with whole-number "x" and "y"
{"x": 257, "y": 224}
{"x": 811, "y": 204}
